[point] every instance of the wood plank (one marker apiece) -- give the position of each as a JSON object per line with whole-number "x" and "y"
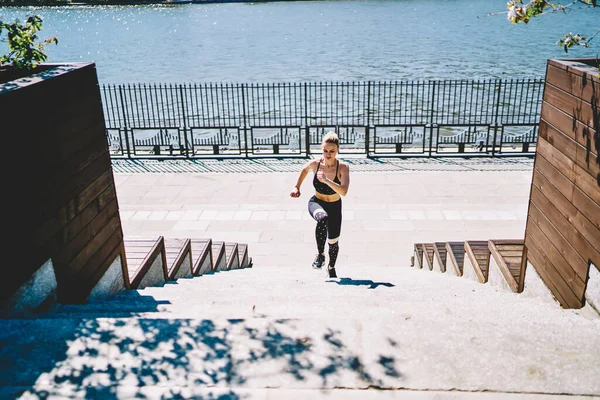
{"x": 578, "y": 66}
{"x": 95, "y": 242}
{"x": 516, "y": 244}
{"x": 67, "y": 252}
{"x": 556, "y": 159}
{"x": 478, "y": 254}
{"x": 69, "y": 232}
{"x": 523, "y": 269}
{"x": 510, "y": 253}
{"x": 564, "y": 123}
{"x": 570, "y": 223}
{"x": 456, "y": 254}
{"x": 558, "y": 262}
{"x": 503, "y": 267}
{"x": 231, "y": 252}
{"x": 176, "y": 251}
{"x": 201, "y": 249}
{"x": 418, "y": 250}
{"x": 136, "y": 251}
{"x": 586, "y": 161}
{"x": 549, "y": 275}
{"x": 428, "y": 254}
{"x": 218, "y": 253}
{"x": 439, "y": 249}
{"x": 578, "y": 84}
{"x": 582, "y": 110}
{"x": 75, "y": 287}
{"x": 157, "y": 250}
{"x": 559, "y": 182}
{"x": 243, "y": 255}
{"x": 555, "y": 236}
{"x": 587, "y": 206}
{"x": 70, "y": 187}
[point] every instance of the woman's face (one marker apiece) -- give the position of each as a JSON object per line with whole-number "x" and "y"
{"x": 329, "y": 150}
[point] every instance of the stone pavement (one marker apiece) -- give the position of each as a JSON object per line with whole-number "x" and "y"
{"x": 391, "y": 204}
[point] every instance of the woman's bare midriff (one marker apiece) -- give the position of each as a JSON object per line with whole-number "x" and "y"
{"x": 330, "y": 198}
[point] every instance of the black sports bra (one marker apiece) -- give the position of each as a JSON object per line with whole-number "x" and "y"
{"x": 323, "y": 188}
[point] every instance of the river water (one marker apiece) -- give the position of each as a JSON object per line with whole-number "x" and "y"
{"x": 307, "y": 40}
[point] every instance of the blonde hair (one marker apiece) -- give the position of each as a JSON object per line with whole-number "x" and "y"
{"x": 331, "y": 137}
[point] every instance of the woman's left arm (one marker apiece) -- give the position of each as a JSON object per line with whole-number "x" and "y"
{"x": 342, "y": 187}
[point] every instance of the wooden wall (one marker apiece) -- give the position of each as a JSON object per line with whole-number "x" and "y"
{"x": 59, "y": 190}
{"x": 563, "y": 225}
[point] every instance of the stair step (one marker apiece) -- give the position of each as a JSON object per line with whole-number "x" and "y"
{"x": 417, "y": 258}
{"x": 232, "y": 256}
{"x": 178, "y": 258}
{"x": 477, "y": 260}
{"x": 202, "y": 255}
{"x": 456, "y": 255}
{"x": 146, "y": 262}
{"x": 505, "y": 264}
{"x": 219, "y": 257}
{"x": 439, "y": 259}
{"x": 245, "y": 259}
{"x": 428, "y": 253}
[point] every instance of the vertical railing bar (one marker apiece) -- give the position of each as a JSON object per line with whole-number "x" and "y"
{"x": 214, "y": 118}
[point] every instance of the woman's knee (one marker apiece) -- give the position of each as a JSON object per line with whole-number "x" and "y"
{"x": 333, "y": 241}
{"x": 320, "y": 216}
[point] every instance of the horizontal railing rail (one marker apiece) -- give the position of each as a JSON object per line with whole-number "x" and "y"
{"x": 289, "y": 119}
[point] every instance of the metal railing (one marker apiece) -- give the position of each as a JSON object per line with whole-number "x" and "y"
{"x": 401, "y": 118}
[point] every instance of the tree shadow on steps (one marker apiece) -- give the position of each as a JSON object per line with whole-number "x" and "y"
{"x": 179, "y": 358}
{"x": 361, "y": 282}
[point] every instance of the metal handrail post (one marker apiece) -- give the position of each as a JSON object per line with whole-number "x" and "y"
{"x": 244, "y": 119}
{"x": 431, "y": 120}
{"x": 497, "y": 111}
{"x": 185, "y": 124}
{"x": 125, "y": 128}
{"x": 367, "y": 128}
{"x": 306, "y": 125}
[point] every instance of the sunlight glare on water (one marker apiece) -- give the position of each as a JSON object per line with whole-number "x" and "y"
{"x": 307, "y": 40}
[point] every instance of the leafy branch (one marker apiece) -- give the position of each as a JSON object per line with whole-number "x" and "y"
{"x": 25, "y": 52}
{"x": 518, "y": 11}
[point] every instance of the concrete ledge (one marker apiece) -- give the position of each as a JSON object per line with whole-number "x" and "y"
{"x": 185, "y": 269}
{"x": 205, "y": 266}
{"x": 534, "y": 286}
{"x": 592, "y": 292}
{"x": 220, "y": 259}
{"x": 111, "y": 283}
{"x": 40, "y": 288}
{"x": 469, "y": 270}
{"x": 496, "y": 277}
{"x": 155, "y": 275}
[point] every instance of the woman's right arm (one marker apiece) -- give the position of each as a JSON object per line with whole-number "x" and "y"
{"x": 307, "y": 167}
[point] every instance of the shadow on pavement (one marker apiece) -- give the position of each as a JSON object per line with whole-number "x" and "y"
{"x": 361, "y": 282}
{"x": 93, "y": 354}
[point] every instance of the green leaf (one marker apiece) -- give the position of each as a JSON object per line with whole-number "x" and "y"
{"x": 25, "y": 52}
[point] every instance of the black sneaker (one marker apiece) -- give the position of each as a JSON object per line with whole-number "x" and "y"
{"x": 319, "y": 260}
{"x": 332, "y": 273}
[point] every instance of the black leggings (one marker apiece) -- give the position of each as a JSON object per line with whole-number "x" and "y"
{"x": 329, "y": 224}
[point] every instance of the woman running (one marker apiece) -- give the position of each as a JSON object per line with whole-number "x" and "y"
{"x": 331, "y": 181}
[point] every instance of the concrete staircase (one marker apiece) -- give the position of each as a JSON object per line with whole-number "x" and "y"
{"x": 273, "y": 332}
